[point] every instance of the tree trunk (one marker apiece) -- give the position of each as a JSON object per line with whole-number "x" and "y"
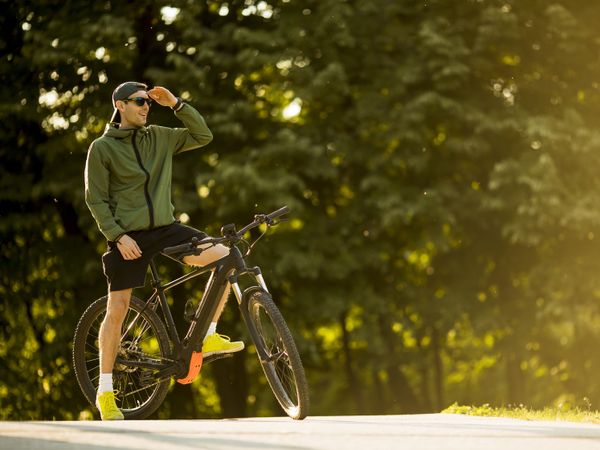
{"x": 401, "y": 392}
{"x": 514, "y": 379}
{"x": 438, "y": 369}
{"x": 232, "y": 385}
{"x": 354, "y": 388}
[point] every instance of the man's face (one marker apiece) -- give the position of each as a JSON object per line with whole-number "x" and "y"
{"x": 133, "y": 115}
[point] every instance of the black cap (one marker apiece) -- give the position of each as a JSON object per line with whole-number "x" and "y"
{"x": 122, "y": 92}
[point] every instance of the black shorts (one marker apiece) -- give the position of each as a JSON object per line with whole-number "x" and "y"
{"x": 125, "y": 274}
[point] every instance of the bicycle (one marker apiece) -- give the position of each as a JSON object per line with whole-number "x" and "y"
{"x": 151, "y": 352}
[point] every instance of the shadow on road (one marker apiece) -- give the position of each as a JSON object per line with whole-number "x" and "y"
{"x": 161, "y": 440}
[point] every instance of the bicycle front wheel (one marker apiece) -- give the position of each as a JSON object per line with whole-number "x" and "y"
{"x": 282, "y": 366}
{"x": 144, "y": 339}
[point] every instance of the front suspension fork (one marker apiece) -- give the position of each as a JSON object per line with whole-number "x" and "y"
{"x": 242, "y": 298}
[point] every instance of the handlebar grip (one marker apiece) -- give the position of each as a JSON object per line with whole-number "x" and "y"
{"x": 177, "y": 249}
{"x": 278, "y": 213}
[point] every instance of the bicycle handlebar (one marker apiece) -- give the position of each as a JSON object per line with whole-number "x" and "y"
{"x": 263, "y": 218}
{"x": 259, "y": 219}
{"x": 280, "y": 212}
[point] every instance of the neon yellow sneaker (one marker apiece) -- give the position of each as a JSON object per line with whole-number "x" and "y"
{"x": 217, "y": 343}
{"x": 105, "y": 403}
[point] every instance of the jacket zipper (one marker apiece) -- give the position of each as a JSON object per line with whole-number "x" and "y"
{"x": 146, "y": 184}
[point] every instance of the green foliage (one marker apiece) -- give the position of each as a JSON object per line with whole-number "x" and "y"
{"x": 562, "y": 412}
{"x": 440, "y": 160}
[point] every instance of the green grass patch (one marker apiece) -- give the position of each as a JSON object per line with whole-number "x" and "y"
{"x": 564, "y": 412}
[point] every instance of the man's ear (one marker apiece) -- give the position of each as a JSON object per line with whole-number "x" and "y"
{"x": 120, "y": 104}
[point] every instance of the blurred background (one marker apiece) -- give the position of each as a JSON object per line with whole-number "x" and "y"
{"x": 441, "y": 160}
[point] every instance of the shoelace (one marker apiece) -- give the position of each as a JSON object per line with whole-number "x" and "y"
{"x": 105, "y": 401}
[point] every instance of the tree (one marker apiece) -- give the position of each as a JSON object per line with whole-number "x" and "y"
{"x": 439, "y": 159}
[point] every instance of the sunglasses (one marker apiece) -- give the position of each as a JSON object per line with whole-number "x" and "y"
{"x": 139, "y": 101}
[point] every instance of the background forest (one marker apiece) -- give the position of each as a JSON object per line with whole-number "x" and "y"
{"x": 441, "y": 159}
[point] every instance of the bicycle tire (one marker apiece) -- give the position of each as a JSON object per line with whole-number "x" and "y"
{"x": 284, "y": 372}
{"x": 127, "y": 380}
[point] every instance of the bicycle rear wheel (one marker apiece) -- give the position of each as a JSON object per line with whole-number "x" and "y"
{"x": 144, "y": 339}
{"x": 282, "y": 367}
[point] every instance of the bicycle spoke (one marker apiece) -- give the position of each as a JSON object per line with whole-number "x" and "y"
{"x": 138, "y": 336}
{"x": 139, "y": 333}
{"x": 96, "y": 378}
{"x": 91, "y": 347}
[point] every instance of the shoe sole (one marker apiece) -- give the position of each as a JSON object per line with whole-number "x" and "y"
{"x": 114, "y": 418}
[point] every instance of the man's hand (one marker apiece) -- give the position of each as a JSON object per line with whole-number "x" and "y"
{"x": 128, "y": 247}
{"x": 162, "y": 96}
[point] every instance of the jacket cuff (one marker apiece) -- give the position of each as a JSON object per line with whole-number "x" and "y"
{"x": 178, "y": 105}
{"x": 114, "y": 234}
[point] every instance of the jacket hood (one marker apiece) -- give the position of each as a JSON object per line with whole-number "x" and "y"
{"x": 117, "y": 133}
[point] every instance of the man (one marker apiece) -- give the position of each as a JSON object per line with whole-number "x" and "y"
{"x": 128, "y": 190}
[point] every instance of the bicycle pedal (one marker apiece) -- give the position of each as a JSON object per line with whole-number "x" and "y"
{"x": 193, "y": 370}
{"x": 189, "y": 311}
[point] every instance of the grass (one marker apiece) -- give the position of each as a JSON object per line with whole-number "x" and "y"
{"x": 564, "y": 412}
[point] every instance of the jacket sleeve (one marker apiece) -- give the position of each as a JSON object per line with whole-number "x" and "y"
{"x": 96, "y": 194}
{"x": 195, "y": 134}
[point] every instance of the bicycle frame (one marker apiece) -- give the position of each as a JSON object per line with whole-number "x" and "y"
{"x": 225, "y": 270}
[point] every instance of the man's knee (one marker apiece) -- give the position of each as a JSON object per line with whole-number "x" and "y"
{"x": 118, "y": 302}
{"x": 217, "y": 252}
{"x": 209, "y": 255}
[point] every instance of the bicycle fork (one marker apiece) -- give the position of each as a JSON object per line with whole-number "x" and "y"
{"x": 242, "y": 298}
{"x": 233, "y": 281}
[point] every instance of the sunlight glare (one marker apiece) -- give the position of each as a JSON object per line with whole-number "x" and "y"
{"x": 48, "y": 98}
{"x": 169, "y": 14}
{"x": 293, "y": 109}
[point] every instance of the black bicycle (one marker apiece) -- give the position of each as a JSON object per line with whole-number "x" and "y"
{"x": 151, "y": 351}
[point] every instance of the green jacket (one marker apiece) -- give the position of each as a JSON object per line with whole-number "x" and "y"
{"x": 128, "y": 173}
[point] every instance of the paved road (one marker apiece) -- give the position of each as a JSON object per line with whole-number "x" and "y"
{"x": 414, "y": 432}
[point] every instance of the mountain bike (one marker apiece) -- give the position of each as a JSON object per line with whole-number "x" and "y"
{"x": 151, "y": 351}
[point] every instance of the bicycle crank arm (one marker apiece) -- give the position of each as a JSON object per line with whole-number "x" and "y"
{"x": 142, "y": 364}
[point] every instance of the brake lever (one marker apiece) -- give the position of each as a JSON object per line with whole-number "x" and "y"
{"x": 274, "y": 223}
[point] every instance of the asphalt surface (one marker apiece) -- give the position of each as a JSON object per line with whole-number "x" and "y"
{"x": 415, "y": 432}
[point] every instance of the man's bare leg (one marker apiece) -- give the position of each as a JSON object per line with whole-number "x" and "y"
{"x": 109, "y": 339}
{"x": 110, "y": 330}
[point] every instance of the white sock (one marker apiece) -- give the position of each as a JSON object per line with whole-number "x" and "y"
{"x": 106, "y": 383}
{"x": 212, "y": 329}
